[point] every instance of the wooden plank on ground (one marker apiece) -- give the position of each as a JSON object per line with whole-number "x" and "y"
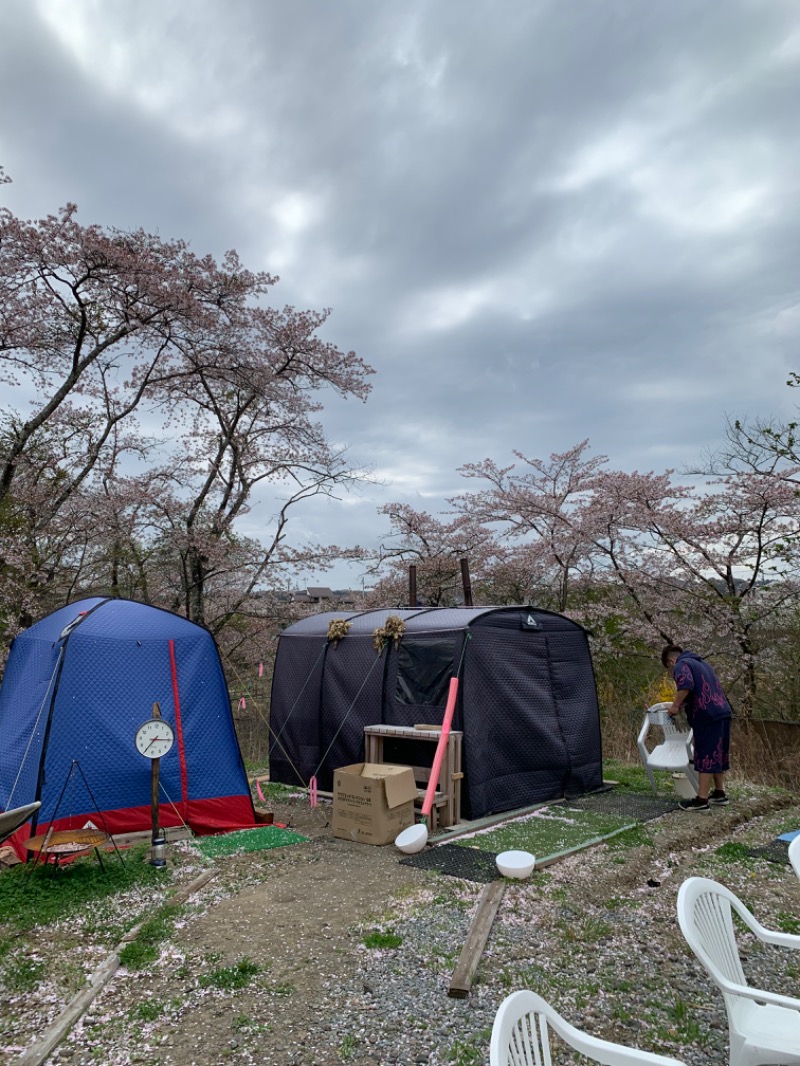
{"x": 36, "y": 1054}
{"x": 467, "y": 965}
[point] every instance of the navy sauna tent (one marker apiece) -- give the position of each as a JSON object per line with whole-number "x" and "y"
{"x": 77, "y": 686}
{"x": 527, "y": 700}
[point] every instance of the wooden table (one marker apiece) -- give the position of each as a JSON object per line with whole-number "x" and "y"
{"x": 446, "y": 810}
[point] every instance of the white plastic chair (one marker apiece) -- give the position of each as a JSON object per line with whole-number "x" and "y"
{"x": 520, "y": 1037}
{"x": 794, "y": 855}
{"x": 675, "y": 752}
{"x": 764, "y": 1026}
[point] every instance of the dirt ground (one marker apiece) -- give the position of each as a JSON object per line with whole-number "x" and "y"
{"x": 299, "y": 926}
{"x": 299, "y": 914}
{"x": 295, "y": 918}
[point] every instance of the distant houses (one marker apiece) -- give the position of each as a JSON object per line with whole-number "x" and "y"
{"x": 321, "y": 594}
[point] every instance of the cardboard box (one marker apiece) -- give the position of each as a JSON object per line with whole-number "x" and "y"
{"x": 372, "y": 802}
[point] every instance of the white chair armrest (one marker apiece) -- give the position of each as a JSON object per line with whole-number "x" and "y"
{"x": 774, "y": 936}
{"x": 759, "y": 994}
{"x": 767, "y": 936}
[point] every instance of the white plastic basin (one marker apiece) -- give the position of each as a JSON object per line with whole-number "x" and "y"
{"x": 412, "y": 839}
{"x": 515, "y": 863}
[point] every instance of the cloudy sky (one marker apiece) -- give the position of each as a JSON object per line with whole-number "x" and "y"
{"x": 539, "y": 220}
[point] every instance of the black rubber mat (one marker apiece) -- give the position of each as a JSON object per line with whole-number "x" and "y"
{"x": 633, "y": 805}
{"x": 467, "y": 863}
{"x": 775, "y": 851}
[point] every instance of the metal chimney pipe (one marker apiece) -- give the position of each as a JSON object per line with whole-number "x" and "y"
{"x": 466, "y": 583}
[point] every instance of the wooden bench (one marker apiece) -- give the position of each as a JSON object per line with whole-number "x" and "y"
{"x": 446, "y": 810}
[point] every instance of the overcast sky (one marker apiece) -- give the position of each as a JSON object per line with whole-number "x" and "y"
{"x": 538, "y": 220}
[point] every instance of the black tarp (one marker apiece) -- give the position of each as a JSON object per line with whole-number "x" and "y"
{"x": 527, "y": 701}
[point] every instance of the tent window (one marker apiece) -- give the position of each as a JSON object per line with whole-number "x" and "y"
{"x": 423, "y": 671}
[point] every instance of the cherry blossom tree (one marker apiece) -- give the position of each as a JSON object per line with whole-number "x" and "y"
{"x": 706, "y": 563}
{"x": 542, "y": 504}
{"x": 105, "y": 334}
{"x": 435, "y": 548}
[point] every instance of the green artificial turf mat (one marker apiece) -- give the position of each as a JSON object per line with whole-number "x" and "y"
{"x": 259, "y": 839}
{"x": 547, "y": 832}
{"x": 570, "y": 823}
{"x": 630, "y": 806}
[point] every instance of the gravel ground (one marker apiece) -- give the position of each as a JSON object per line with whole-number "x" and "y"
{"x": 596, "y": 934}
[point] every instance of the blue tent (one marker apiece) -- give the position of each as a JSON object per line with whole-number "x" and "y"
{"x": 77, "y": 686}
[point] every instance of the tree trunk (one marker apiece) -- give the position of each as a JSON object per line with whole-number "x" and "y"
{"x": 195, "y": 593}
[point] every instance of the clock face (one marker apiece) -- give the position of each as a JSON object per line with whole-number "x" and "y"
{"x": 154, "y": 738}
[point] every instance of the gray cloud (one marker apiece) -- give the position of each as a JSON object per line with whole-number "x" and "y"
{"x": 539, "y": 221}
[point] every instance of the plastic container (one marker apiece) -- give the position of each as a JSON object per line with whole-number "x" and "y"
{"x": 412, "y": 839}
{"x": 517, "y": 864}
{"x": 683, "y": 786}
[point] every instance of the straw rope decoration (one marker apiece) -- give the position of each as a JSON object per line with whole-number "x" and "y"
{"x": 392, "y": 629}
{"x": 338, "y": 629}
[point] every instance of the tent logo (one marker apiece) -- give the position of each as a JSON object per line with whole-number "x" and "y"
{"x": 530, "y": 623}
{"x": 90, "y": 825}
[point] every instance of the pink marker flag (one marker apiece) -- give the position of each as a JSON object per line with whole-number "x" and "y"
{"x": 440, "y": 748}
{"x": 312, "y": 791}
{"x": 260, "y": 669}
{"x": 242, "y": 704}
{"x": 261, "y": 795}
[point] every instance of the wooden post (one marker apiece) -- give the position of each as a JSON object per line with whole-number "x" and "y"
{"x": 412, "y": 586}
{"x": 157, "y": 841}
{"x": 154, "y": 772}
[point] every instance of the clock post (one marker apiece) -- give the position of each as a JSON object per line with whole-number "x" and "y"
{"x": 154, "y": 739}
{"x": 158, "y": 840}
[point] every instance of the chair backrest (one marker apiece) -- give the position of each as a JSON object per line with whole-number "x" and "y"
{"x": 673, "y": 729}
{"x": 794, "y": 854}
{"x": 521, "y": 1037}
{"x": 704, "y": 915}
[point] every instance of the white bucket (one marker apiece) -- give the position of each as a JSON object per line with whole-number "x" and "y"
{"x": 683, "y": 786}
{"x": 517, "y": 864}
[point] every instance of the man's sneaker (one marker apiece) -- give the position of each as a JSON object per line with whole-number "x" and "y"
{"x": 695, "y": 804}
{"x": 718, "y": 798}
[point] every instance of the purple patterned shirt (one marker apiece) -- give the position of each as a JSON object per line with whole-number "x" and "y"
{"x": 706, "y": 699}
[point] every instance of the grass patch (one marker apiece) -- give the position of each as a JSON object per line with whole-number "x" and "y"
{"x": 377, "y": 939}
{"x": 145, "y": 949}
{"x": 732, "y": 852}
{"x": 38, "y": 896}
{"x": 231, "y": 978}
{"x": 629, "y": 776}
{"x": 21, "y": 973}
{"x": 469, "y": 1052}
{"x": 275, "y": 792}
{"x": 243, "y": 1023}
{"x": 148, "y": 1011}
{"x": 585, "y": 931}
{"x": 788, "y": 923}
{"x": 635, "y": 837}
{"x": 348, "y": 1047}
